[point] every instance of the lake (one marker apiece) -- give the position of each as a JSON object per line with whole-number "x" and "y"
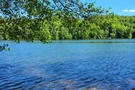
{"x": 68, "y": 65}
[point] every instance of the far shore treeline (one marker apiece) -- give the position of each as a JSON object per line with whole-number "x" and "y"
{"x": 47, "y": 20}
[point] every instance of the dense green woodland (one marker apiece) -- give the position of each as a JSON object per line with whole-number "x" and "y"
{"x": 31, "y": 20}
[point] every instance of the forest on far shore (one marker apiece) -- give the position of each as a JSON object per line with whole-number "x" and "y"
{"x": 46, "y": 20}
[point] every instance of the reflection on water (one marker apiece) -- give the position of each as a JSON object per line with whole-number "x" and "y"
{"x": 68, "y": 65}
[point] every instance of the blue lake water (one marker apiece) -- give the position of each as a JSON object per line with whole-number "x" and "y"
{"x": 68, "y": 65}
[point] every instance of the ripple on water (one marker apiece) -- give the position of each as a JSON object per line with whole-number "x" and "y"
{"x": 68, "y": 66}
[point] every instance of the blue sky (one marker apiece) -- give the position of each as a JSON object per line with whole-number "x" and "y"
{"x": 120, "y": 7}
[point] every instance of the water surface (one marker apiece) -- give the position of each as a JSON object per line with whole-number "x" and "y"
{"x": 68, "y": 65}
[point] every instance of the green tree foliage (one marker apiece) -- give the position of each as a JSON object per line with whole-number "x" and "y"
{"x": 47, "y": 20}
{"x": 44, "y": 33}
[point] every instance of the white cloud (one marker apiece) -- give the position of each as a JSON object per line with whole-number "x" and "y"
{"x": 131, "y": 11}
{"x": 125, "y": 10}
